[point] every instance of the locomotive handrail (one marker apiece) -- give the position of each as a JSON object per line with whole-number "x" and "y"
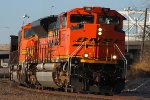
{"x": 70, "y": 58}
{"x": 124, "y": 59}
{"x": 78, "y": 48}
{"x": 75, "y": 51}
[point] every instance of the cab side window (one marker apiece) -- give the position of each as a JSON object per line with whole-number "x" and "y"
{"x": 28, "y": 33}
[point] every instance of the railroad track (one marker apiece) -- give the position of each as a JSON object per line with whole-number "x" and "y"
{"x": 81, "y": 95}
{"x": 21, "y": 91}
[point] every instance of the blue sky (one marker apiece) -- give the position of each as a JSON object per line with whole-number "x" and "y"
{"x": 11, "y": 11}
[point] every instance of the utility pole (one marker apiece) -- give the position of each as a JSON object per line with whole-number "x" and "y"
{"x": 143, "y": 36}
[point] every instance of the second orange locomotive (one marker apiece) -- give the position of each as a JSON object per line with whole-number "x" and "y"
{"x": 82, "y": 49}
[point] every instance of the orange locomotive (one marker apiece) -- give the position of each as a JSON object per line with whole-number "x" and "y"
{"x": 82, "y": 50}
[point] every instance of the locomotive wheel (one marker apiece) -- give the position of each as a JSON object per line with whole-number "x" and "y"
{"x": 19, "y": 75}
{"x": 32, "y": 79}
{"x": 60, "y": 78}
{"x": 31, "y": 75}
{"x": 22, "y": 78}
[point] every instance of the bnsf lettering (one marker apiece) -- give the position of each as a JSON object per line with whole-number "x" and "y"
{"x": 107, "y": 40}
{"x": 82, "y": 39}
{"x": 96, "y": 41}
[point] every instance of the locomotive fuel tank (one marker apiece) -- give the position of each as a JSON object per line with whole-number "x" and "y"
{"x": 46, "y": 79}
{"x": 44, "y": 74}
{"x": 50, "y": 67}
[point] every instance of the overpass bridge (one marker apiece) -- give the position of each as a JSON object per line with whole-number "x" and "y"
{"x": 4, "y": 54}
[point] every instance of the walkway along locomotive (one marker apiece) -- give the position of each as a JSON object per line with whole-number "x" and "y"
{"x": 82, "y": 50}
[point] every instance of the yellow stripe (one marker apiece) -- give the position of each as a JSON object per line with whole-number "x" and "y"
{"x": 97, "y": 61}
{"x": 24, "y": 52}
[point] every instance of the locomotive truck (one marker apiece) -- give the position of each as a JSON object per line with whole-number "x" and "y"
{"x": 80, "y": 50}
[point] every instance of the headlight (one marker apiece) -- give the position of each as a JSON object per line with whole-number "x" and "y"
{"x": 114, "y": 57}
{"x": 100, "y": 29}
{"x": 99, "y": 33}
{"x": 86, "y": 55}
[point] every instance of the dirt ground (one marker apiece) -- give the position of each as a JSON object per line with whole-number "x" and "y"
{"x": 8, "y": 91}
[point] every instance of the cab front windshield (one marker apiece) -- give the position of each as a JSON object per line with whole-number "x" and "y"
{"x": 112, "y": 20}
{"x": 81, "y": 18}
